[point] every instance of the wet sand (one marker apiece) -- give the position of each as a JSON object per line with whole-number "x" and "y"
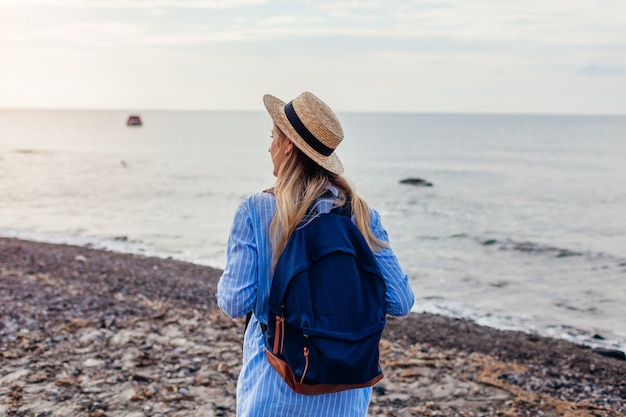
{"x": 87, "y": 332}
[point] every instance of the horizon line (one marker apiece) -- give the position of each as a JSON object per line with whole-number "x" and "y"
{"x": 422, "y": 112}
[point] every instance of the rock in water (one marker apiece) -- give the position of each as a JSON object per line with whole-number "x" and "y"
{"x": 611, "y": 353}
{"x": 416, "y": 181}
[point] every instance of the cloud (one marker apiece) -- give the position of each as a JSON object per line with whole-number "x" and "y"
{"x": 576, "y": 22}
{"x": 596, "y": 71}
{"x": 552, "y": 23}
{"x": 533, "y": 22}
{"x": 348, "y": 9}
{"x": 86, "y": 34}
{"x": 134, "y": 4}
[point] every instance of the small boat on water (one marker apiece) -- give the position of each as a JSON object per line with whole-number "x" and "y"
{"x": 133, "y": 120}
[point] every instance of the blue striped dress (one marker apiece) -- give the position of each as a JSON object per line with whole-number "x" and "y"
{"x": 245, "y": 286}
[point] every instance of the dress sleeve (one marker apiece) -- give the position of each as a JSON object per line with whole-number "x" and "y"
{"x": 237, "y": 287}
{"x": 400, "y": 296}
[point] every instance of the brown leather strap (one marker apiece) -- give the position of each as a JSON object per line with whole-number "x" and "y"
{"x": 287, "y": 374}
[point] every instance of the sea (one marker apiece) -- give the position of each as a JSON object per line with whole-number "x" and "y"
{"x": 522, "y": 227}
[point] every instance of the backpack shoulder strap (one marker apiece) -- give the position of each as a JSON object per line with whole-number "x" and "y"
{"x": 345, "y": 210}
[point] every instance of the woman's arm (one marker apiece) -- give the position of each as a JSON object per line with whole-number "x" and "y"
{"x": 237, "y": 287}
{"x": 400, "y": 296}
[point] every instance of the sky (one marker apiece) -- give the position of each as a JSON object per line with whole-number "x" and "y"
{"x": 450, "y": 56}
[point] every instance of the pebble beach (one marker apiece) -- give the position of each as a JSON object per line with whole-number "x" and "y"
{"x": 87, "y": 332}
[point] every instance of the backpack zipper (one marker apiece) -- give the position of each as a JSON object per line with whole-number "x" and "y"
{"x": 279, "y": 336}
{"x": 306, "y": 357}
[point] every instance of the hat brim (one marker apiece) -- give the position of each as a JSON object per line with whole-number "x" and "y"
{"x": 276, "y": 109}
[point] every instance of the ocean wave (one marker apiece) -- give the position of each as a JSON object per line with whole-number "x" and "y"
{"x": 540, "y": 249}
{"x": 441, "y": 306}
{"x": 531, "y": 247}
{"x": 119, "y": 243}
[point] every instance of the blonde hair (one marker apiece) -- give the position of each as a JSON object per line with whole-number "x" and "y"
{"x": 299, "y": 182}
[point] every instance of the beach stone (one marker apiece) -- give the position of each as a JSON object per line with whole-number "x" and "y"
{"x": 206, "y": 410}
{"x": 445, "y": 388}
{"x": 93, "y": 362}
{"x": 179, "y": 341}
{"x": 127, "y": 393}
{"x": 122, "y": 337}
{"x": 12, "y": 377}
{"x": 128, "y": 360}
{"x": 399, "y": 397}
{"x": 90, "y": 335}
{"x": 161, "y": 408}
{"x": 172, "y": 332}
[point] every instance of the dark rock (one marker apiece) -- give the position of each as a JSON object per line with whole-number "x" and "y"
{"x": 562, "y": 253}
{"x": 416, "y": 181}
{"x": 611, "y": 353}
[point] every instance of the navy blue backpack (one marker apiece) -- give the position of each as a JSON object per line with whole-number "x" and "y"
{"x": 327, "y": 308}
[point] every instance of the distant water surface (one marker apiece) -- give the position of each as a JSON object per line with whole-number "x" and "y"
{"x": 523, "y": 228}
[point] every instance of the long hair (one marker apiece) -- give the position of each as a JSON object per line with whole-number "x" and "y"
{"x": 299, "y": 182}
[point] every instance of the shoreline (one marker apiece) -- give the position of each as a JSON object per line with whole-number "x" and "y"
{"x": 597, "y": 338}
{"x": 93, "y": 332}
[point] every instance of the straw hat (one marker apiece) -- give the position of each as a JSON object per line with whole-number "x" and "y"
{"x": 311, "y": 125}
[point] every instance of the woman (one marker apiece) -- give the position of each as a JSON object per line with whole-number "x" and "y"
{"x": 304, "y": 137}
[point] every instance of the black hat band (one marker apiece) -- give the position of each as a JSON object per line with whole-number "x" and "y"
{"x": 304, "y": 133}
